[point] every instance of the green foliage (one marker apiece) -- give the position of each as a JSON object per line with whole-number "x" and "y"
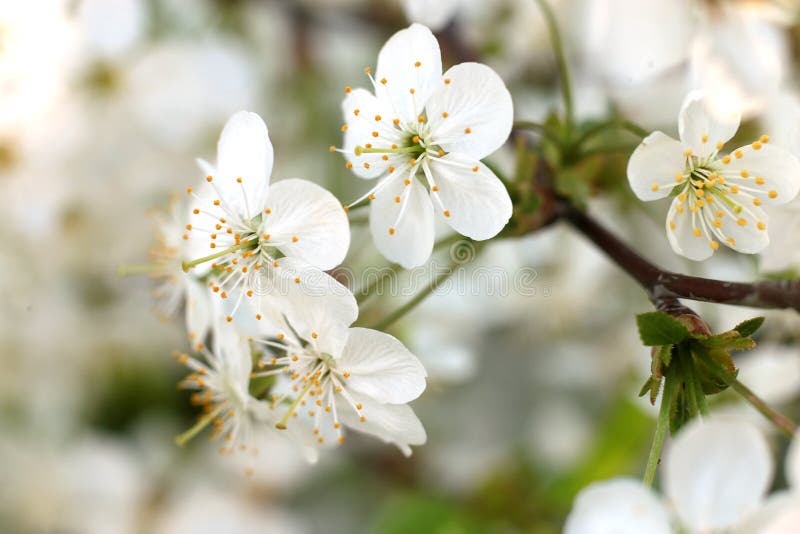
{"x": 424, "y": 513}
{"x": 659, "y": 328}
{"x": 748, "y": 328}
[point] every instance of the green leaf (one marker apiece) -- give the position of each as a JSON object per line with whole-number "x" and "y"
{"x": 665, "y": 354}
{"x": 748, "y": 328}
{"x": 730, "y": 340}
{"x": 659, "y": 328}
{"x": 648, "y": 384}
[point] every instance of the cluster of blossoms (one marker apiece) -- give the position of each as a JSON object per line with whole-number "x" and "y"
{"x": 715, "y": 479}
{"x": 270, "y": 327}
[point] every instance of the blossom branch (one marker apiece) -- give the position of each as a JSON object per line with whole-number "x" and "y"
{"x": 661, "y": 284}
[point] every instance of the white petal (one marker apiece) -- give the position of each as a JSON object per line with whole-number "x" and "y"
{"x": 655, "y": 165}
{"x": 476, "y": 200}
{"x": 681, "y": 225}
{"x": 778, "y": 505}
{"x": 475, "y": 100}
{"x": 411, "y": 243}
{"x": 778, "y": 168}
{"x": 744, "y": 231}
{"x": 397, "y": 64}
{"x": 772, "y": 372}
{"x": 716, "y": 473}
{"x": 393, "y": 423}
{"x": 200, "y": 309}
{"x": 435, "y": 15}
{"x": 244, "y": 151}
{"x": 617, "y": 506}
{"x": 702, "y": 127}
{"x": 793, "y": 464}
{"x": 313, "y": 302}
{"x": 785, "y": 523}
{"x": 301, "y": 209}
{"x": 365, "y": 116}
{"x": 381, "y": 367}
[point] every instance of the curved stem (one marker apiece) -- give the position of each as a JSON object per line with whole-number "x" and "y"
{"x": 558, "y": 49}
{"x": 622, "y": 124}
{"x": 437, "y": 281}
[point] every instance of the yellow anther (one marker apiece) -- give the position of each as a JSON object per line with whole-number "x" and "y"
{"x": 239, "y": 180}
{"x": 417, "y": 64}
{"x": 761, "y": 225}
{"x": 720, "y": 144}
{"x": 331, "y": 148}
{"x": 347, "y": 89}
{"x": 412, "y": 91}
{"x": 367, "y": 70}
{"x": 738, "y": 153}
{"x": 349, "y": 165}
{"x": 295, "y": 239}
{"x": 447, "y": 81}
{"x": 682, "y": 197}
{"x": 397, "y": 199}
{"x": 297, "y": 280}
{"x": 679, "y": 208}
{"x": 764, "y": 139}
{"x": 714, "y": 244}
{"x": 372, "y": 197}
{"x": 679, "y": 177}
{"x": 744, "y": 174}
{"x": 688, "y": 152}
{"x": 731, "y": 241}
{"x": 697, "y": 232}
{"x": 760, "y": 180}
{"x": 717, "y": 223}
{"x": 672, "y": 225}
{"x": 773, "y": 194}
{"x": 366, "y": 165}
{"x": 735, "y": 189}
{"x": 756, "y": 201}
{"x": 741, "y": 221}
{"x": 384, "y": 80}
{"x": 209, "y": 178}
{"x": 378, "y": 118}
{"x": 435, "y": 188}
{"x": 655, "y": 187}
{"x": 757, "y": 145}
{"x": 391, "y": 169}
{"x": 445, "y": 114}
{"x": 447, "y": 213}
{"x": 704, "y": 138}
{"x": 375, "y": 134}
{"x": 726, "y": 160}
{"x": 420, "y": 119}
{"x": 467, "y": 130}
{"x": 229, "y": 318}
{"x": 391, "y": 231}
{"x": 396, "y": 122}
{"x": 343, "y": 128}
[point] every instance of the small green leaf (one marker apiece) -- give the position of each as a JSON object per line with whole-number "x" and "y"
{"x": 658, "y": 328}
{"x": 665, "y": 354}
{"x": 748, "y": 328}
{"x": 646, "y": 386}
{"x": 730, "y": 340}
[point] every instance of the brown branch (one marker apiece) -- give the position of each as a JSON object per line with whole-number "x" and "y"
{"x": 663, "y": 287}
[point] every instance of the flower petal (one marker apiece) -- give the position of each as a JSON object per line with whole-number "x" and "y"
{"x": 744, "y": 231}
{"x": 312, "y": 301}
{"x": 716, "y": 473}
{"x": 655, "y": 165}
{"x": 201, "y": 308}
{"x": 435, "y": 15}
{"x": 368, "y": 124}
{"x": 470, "y": 111}
{"x": 381, "y": 367}
{"x": 702, "y": 127}
{"x": 308, "y": 222}
{"x": 393, "y": 423}
{"x": 477, "y": 203}
{"x": 409, "y": 61}
{"x": 244, "y": 151}
{"x": 687, "y": 231}
{"x": 617, "y": 506}
{"x": 785, "y": 523}
{"x": 768, "y": 172}
{"x": 411, "y": 243}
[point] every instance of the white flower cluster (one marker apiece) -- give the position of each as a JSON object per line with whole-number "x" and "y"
{"x": 250, "y": 258}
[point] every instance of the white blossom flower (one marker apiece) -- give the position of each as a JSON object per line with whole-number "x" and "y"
{"x": 421, "y": 122}
{"x": 331, "y": 376}
{"x": 177, "y": 287}
{"x": 264, "y": 239}
{"x": 716, "y": 474}
{"x": 220, "y": 381}
{"x": 717, "y": 199}
{"x": 434, "y": 15}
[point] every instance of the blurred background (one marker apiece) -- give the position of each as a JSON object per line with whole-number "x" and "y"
{"x": 104, "y": 105}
